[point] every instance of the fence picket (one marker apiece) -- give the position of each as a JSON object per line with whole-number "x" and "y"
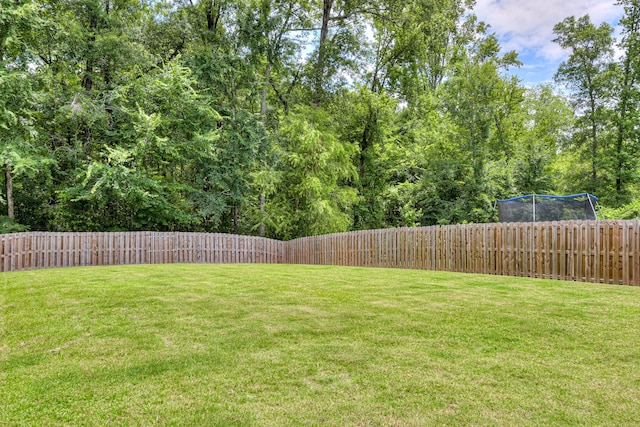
{"x": 633, "y": 253}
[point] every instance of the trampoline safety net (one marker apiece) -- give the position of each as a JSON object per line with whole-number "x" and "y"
{"x": 535, "y": 207}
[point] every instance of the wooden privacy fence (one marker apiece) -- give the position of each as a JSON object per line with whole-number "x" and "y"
{"x": 588, "y": 251}
{"x": 25, "y": 251}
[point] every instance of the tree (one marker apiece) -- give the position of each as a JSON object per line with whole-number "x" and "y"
{"x": 547, "y": 120}
{"x": 366, "y": 121}
{"x": 477, "y": 97}
{"x": 162, "y": 174}
{"x": 587, "y": 73}
{"x": 311, "y": 196}
{"x": 413, "y": 45}
{"x": 19, "y": 151}
{"x": 627, "y": 99}
{"x": 327, "y": 17}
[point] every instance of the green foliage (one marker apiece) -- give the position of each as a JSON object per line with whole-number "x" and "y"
{"x": 17, "y": 131}
{"x": 622, "y": 164}
{"x": 587, "y": 73}
{"x": 159, "y": 175}
{"x": 9, "y": 225}
{"x": 628, "y": 211}
{"x": 22, "y": 156}
{"x": 366, "y": 122}
{"x": 18, "y": 24}
{"x": 547, "y": 122}
{"x": 477, "y": 98}
{"x": 312, "y": 196}
{"x": 239, "y": 150}
{"x": 218, "y": 116}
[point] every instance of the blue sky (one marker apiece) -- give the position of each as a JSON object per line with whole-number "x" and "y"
{"x": 526, "y": 26}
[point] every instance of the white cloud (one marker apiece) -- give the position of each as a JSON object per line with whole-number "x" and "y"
{"x": 526, "y": 26}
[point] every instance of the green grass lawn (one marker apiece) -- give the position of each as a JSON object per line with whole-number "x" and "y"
{"x": 270, "y": 345}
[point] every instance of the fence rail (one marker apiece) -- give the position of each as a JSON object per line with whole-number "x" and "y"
{"x": 587, "y": 251}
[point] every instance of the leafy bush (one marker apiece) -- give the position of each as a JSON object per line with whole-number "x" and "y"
{"x": 628, "y": 211}
{"x": 8, "y": 225}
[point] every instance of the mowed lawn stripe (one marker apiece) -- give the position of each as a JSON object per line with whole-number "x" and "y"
{"x": 313, "y": 345}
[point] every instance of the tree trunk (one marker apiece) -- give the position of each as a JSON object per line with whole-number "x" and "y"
{"x": 212, "y": 13}
{"x": 629, "y": 82}
{"x": 262, "y": 210}
{"x": 106, "y": 60}
{"x": 365, "y": 143}
{"x": 594, "y": 154}
{"x": 594, "y": 140}
{"x": 322, "y": 48}
{"x": 620, "y": 144}
{"x": 9, "y": 183}
{"x": 265, "y": 92}
{"x": 87, "y": 79}
{"x": 235, "y": 219}
{"x": 263, "y": 115}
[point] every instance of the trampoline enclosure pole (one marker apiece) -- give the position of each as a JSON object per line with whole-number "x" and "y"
{"x": 534, "y": 208}
{"x": 593, "y": 209}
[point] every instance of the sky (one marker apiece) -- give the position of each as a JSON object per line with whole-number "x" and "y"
{"x": 526, "y": 26}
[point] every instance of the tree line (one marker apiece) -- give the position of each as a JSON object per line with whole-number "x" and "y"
{"x": 291, "y": 118}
